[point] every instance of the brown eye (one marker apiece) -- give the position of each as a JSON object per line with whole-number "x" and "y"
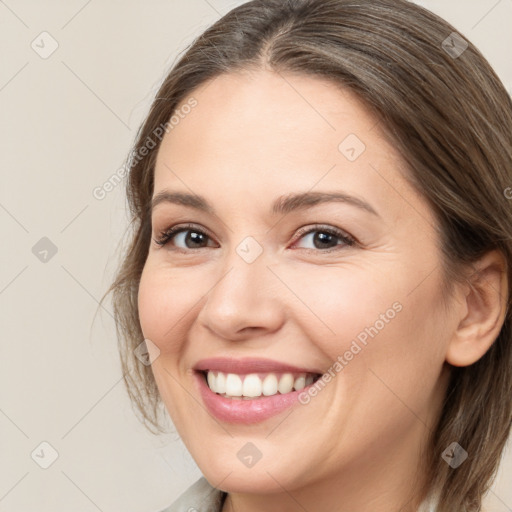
{"x": 326, "y": 238}
{"x": 184, "y": 237}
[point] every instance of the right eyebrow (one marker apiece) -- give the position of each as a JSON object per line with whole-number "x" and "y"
{"x": 185, "y": 199}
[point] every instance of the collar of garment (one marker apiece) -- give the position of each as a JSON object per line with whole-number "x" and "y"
{"x": 203, "y": 497}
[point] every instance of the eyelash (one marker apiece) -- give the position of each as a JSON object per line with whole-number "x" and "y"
{"x": 167, "y": 235}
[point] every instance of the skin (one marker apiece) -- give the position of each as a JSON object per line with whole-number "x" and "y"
{"x": 359, "y": 443}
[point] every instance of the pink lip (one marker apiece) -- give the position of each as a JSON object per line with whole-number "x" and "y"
{"x": 242, "y": 411}
{"x": 249, "y": 365}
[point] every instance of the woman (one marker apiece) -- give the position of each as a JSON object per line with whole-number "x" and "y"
{"x": 319, "y": 267}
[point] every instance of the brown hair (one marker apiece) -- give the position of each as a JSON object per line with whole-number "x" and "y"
{"x": 450, "y": 117}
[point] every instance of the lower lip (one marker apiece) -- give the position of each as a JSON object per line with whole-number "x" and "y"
{"x": 245, "y": 411}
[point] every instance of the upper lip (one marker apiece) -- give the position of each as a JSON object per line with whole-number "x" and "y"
{"x": 249, "y": 365}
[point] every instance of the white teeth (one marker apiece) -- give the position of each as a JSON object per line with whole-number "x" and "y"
{"x": 211, "y": 380}
{"x": 252, "y": 386}
{"x": 220, "y": 382}
{"x": 270, "y": 385}
{"x": 248, "y": 387}
{"x": 300, "y": 382}
{"x": 233, "y": 385}
{"x": 285, "y": 383}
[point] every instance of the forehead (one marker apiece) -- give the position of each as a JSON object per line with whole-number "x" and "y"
{"x": 271, "y": 133}
{"x": 262, "y": 112}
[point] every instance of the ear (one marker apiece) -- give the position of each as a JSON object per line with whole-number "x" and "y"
{"x": 485, "y": 309}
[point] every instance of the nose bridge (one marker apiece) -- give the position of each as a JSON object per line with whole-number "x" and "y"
{"x": 244, "y": 268}
{"x": 244, "y": 295}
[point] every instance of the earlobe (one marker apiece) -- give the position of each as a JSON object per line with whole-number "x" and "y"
{"x": 485, "y": 307}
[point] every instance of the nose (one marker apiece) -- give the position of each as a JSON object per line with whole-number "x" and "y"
{"x": 245, "y": 301}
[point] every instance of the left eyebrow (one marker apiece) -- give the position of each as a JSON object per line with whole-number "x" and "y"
{"x": 282, "y": 205}
{"x": 287, "y": 203}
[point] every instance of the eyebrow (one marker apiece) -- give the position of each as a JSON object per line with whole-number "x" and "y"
{"x": 282, "y": 205}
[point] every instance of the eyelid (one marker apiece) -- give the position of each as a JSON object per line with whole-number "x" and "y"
{"x": 325, "y": 228}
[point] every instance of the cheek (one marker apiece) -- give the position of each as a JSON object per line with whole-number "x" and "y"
{"x": 149, "y": 301}
{"x": 162, "y": 308}
{"x": 401, "y": 331}
{"x": 363, "y": 311}
{"x": 388, "y": 346}
{"x": 341, "y": 304}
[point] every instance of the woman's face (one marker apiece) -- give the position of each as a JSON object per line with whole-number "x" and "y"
{"x": 247, "y": 280}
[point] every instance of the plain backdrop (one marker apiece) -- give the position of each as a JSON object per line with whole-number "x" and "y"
{"x": 68, "y": 119}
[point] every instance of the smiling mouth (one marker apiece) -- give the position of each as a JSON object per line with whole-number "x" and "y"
{"x": 253, "y": 386}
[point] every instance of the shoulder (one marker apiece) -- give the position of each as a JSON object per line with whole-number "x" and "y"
{"x": 199, "y": 497}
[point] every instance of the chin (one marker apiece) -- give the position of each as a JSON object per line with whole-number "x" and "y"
{"x": 262, "y": 478}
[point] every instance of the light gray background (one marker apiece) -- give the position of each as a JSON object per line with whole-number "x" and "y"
{"x": 67, "y": 122}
